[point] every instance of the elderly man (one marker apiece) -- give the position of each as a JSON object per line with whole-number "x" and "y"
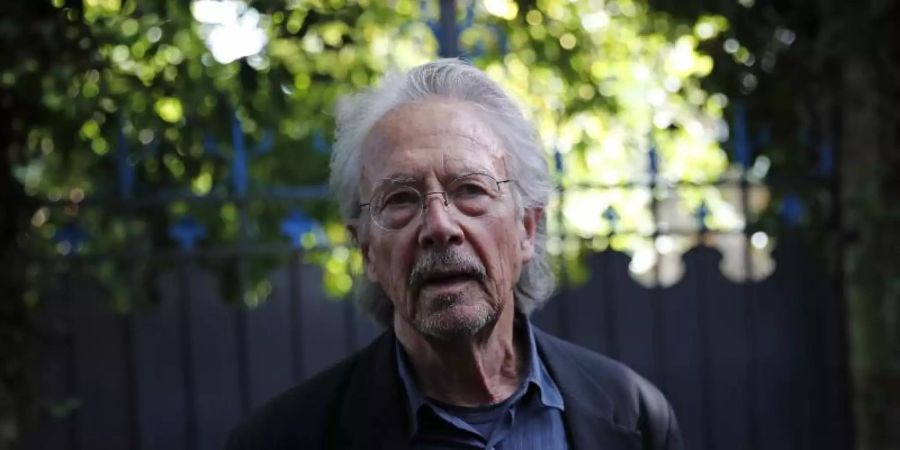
{"x": 442, "y": 183}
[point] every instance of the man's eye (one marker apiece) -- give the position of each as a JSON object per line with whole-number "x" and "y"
{"x": 404, "y": 198}
{"x": 470, "y": 190}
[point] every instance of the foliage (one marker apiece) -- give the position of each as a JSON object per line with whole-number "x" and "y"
{"x": 606, "y": 83}
{"x": 615, "y": 89}
{"x": 146, "y": 85}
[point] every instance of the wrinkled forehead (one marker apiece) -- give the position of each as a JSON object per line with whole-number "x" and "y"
{"x": 464, "y": 173}
{"x": 433, "y": 139}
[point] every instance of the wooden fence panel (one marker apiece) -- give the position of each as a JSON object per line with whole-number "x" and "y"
{"x": 686, "y": 357}
{"x": 777, "y": 333}
{"x": 631, "y": 318}
{"x": 588, "y": 311}
{"x": 723, "y": 304}
{"x": 819, "y": 388}
{"x": 160, "y": 371}
{"x": 104, "y": 411}
{"x": 214, "y": 350}
{"x": 323, "y": 323}
{"x": 271, "y": 350}
{"x": 52, "y": 372}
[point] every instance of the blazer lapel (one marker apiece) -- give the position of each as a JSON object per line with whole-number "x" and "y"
{"x": 373, "y": 413}
{"x": 588, "y": 411}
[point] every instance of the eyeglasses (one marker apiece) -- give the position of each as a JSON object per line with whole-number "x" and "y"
{"x": 395, "y": 204}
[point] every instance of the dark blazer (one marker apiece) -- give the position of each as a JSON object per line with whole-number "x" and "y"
{"x": 359, "y": 404}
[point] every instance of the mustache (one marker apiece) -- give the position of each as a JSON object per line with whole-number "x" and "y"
{"x": 444, "y": 263}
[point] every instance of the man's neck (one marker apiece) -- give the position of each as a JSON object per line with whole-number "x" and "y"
{"x": 483, "y": 369}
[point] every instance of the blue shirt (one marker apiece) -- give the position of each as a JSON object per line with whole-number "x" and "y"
{"x": 531, "y": 418}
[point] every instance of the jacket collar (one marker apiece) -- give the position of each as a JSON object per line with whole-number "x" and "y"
{"x": 589, "y": 410}
{"x": 374, "y": 413}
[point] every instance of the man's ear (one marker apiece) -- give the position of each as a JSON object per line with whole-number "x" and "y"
{"x": 530, "y": 221}
{"x": 353, "y": 229}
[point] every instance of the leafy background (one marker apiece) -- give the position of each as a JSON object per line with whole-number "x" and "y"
{"x": 155, "y": 128}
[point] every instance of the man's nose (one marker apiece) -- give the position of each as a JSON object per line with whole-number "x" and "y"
{"x": 439, "y": 227}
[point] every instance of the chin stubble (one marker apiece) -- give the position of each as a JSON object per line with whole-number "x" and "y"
{"x": 435, "y": 318}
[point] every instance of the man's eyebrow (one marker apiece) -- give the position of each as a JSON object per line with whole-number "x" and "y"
{"x": 399, "y": 178}
{"x": 470, "y": 170}
{"x": 403, "y": 178}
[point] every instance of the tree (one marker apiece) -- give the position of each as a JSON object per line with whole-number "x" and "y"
{"x": 819, "y": 79}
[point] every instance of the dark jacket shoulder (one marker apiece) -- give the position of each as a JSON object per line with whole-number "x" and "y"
{"x": 631, "y": 402}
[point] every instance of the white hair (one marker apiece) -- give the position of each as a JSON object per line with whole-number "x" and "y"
{"x": 448, "y": 78}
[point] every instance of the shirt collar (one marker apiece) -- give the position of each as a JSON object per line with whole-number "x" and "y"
{"x": 536, "y": 375}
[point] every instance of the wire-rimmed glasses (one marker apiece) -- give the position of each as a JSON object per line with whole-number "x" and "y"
{"x": 394, "y": 203}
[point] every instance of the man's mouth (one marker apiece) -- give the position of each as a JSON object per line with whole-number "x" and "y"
{"x": 445, "y": 270}
{"x": 443, "y": 279}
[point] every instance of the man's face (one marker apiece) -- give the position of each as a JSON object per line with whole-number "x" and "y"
{"x": 447, "y": 273}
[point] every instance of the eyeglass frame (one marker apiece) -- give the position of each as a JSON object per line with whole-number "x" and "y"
{"x": 423, "y": 196}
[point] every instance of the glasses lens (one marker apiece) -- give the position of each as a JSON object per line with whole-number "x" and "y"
{"x": 397, "y": 206}
{"x": 473, "y": 195}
